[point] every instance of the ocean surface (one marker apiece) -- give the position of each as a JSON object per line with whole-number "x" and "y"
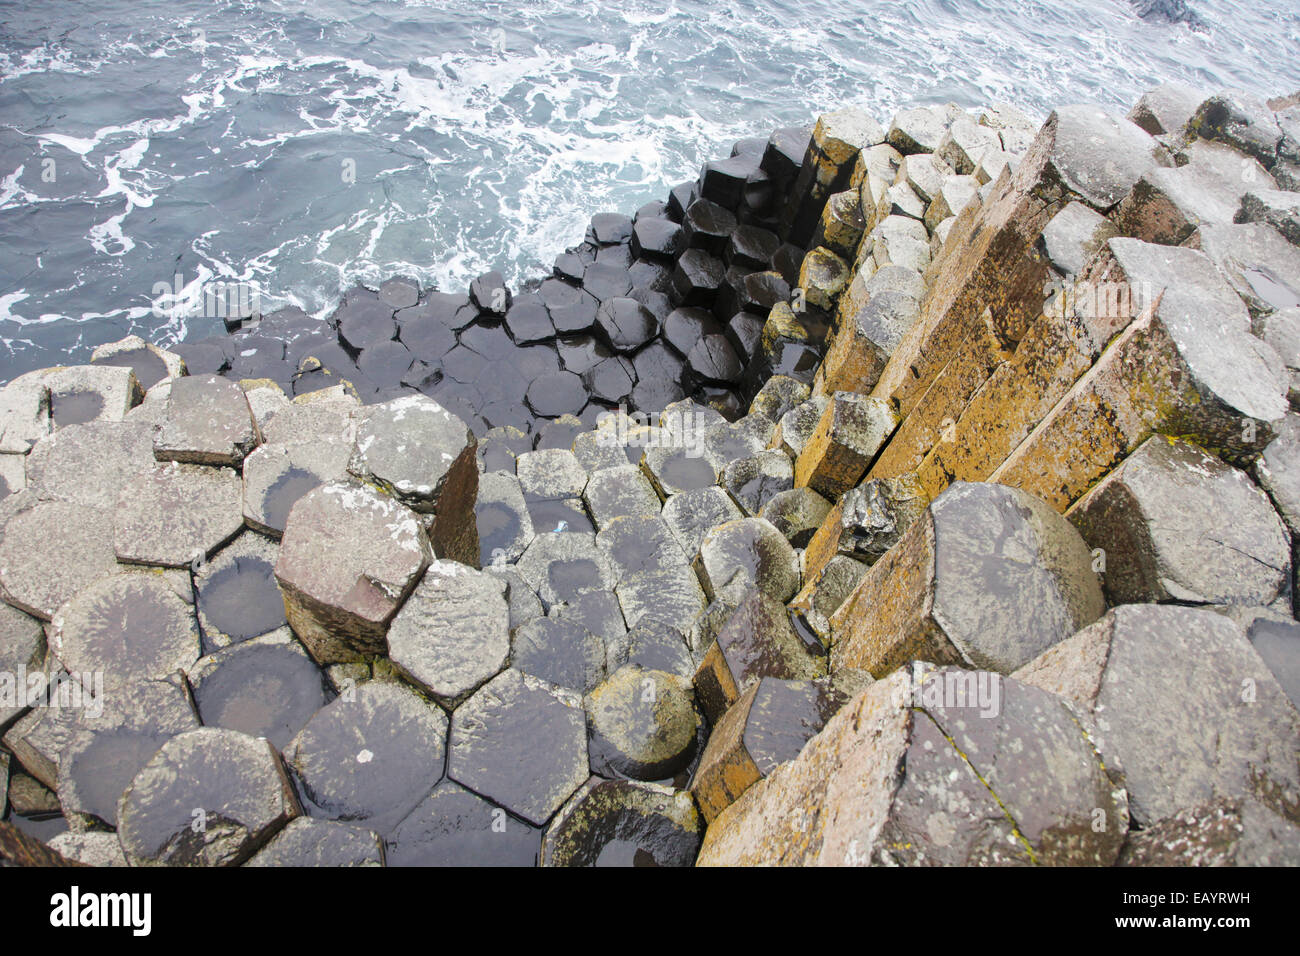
{"x": 300, "y": 147}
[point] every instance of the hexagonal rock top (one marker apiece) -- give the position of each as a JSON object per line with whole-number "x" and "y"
{"x": 1178, "y": 524}
{"x": 349, "y": 557}
{"x": 128, "y": 627}
{"x": 522, "y": 743}
{"x": 370, "y": 756}
{"x": 1183, "y": 703}
{"x": 208, "y": 422}
{"x": 622, "y": 823}
{"x": 238, "y": 783}
{"x": 50, "y": 551}
{"x": 642, "y": 724}
{"x": 748, "y": 553}
{"x": 276, "y": 475}
{"x": 426, "y": 457}
{"x": 997, "y": 772}
{"x": 988, "y": 577}
{"x": 455, "y": 827}
{"x": 453, "y": 632}
{"x": 175, "y": 513}
{"x": 311, "y": 842}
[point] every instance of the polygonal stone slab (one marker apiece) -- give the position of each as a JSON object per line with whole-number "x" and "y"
{"x": 232, "y": 784}
{"x": 208, "y": 422}
{"x": 105, "y": 753}
{"x": 641, "y": 723}
{"x": 1183, "y": 703}
{"x": 753, "y": 481}
{"x": 89, "y": 464}
{"x": 85, "y": 393}
{"x": 561, "y": 565}
{"x": 501, "y": 518}
{"x": 551, "y": 473}
{"x": 653, "y": 645}
{"x": 22, "y": 649}
{"x": 238, "y": 598}
{"x": 267, "y": 687}
{"x": 1011, "y": 782}
{"x": 454, "y": 827}
{"x": 453, "y": 632}
{"x": 839, "y": 451}
{"x": 757, "y": 641}
{"x": 174, "y": 513}
{"x": 349, "y": 557}
{"x": 276, "y": 475}
{"x": 1221, "y": 833}
{"x": 425, "y": 455}
{"x": 618, "y": 492}
{"x": 990, "y": 577}
{"x": 50, "y": 551}
{"x": 748, "y": 553}
{"x": 624, "y": 823}
{"x": 370, "y": 756}
{"x": 676, "y": 469}
{"x": 562, "y": 652}
{"x": 310, "y": 842}
{"x": 521, "y": 742}
{"x": 1178, "y": 524}
{"x": 797, "y": 513}
{"x": 128, "y": 628}
{"x": 690, "y": 515}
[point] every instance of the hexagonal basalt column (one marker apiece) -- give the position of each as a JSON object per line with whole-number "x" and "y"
{"x": 521, "y": 742}
{"x": 348, "y": 559}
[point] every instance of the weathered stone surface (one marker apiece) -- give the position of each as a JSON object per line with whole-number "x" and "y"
{"x": 823, "y": 276}
{"x": 29, "y": 797}
{"x": 76, "y": 394}
{"x": 1276, "y": 207}
{"x": 1176, "y": 524}
{"x": 24, "y": 414}
{"x": 454, "y": 827}
{"x": 39, "y": 738}
{"x": 89, "y": 464}
{"x": 1167, "y": 205}
{"x": 425, "y": 456}
{"x": 987, "y": 781}
{"x": 559, "y": 566}
{"x": 748, "y": 553}
{"x": 965, "y": 142}
{"x": 1183, "y": 704}
{"x": 851, "y": 431}
{"x": 238, "y": 598}
{"x": 348, "y": 559}
{"x": 311, "y": 842}
{"x": 767, "y": 726}
{"x": 653, "y": 645}
{"x": 174, "y": 513}
{"x": 690, "y": 515}
{"x": 50, "y": 551}
{"x": 267, "y": 687}
{"x": 675, "y": 470}
{"x": 1240, "y": 120}
{"x": 825, "y": 589}
{"x": 501, "y": 518}
{"x": 22, "y": 649}
{"x": 1080, "y": 153}
{"x": 641, "y": 723}
{"x": 618, "y": 492}
{"x": 277, "y": 474}
{"x": 757, "y": 640}
{"x": 1276, "y": 638}
{"x": 106, "y": 750}
{"x": 1222, "y": 833}
{"x": 837, "y": 139}
{"x": 1262, "y": 268}
{"x": 453, "y": 632}
{"x": 19, "y": 849}
{"x": 1165, "y": 109}
{"x": 208, "y": 422}
{"x": 867, "y": 336}
{"x": 797, "y": 513}
{"x": 866, "y": 522}
{"x": 522, "y": 743}
{"x": 842, "y": 224}
{"x": 1278, "y": 473}
{"x": 989, "y": 577}
{"x": 753, "y": 481}
{"x": 1187, "y": 365}
{"x": 562, "y": 652}
{"x": 90, "y": 848}
{"x": 624, "y": 823}
{"x": 237, "y": 783}
{"x": 597, "y": 611}
{"x": 127, "y": 627}
{"x": 1074, "y": 235}
{"x": 371, "y": 756}
{"x": 797, "y": 425}
{"x": 654, "y": 577}
{"x": 918, "y": 130}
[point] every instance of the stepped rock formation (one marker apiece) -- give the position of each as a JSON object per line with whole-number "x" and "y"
{"x": 924, "y": 493}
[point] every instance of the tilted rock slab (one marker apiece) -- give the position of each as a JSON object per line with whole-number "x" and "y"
{"x": 208, "y": 422}
{"x": 930, "y": 771}
{"x": 349, "y": 557}
{"x": 990, "y": 577}
{"x": 1183, "y": 705}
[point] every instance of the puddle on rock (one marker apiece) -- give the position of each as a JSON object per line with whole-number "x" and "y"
{"x": 242, "y": 599}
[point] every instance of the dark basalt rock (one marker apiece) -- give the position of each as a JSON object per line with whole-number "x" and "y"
{"x": 148, "y": 366}
{"x": 745, "y": 332}
{"x": 679, "y": 200}
{"x": 610, "y": 228}
{"x": 708, "y": 226}
{"x": 528, "y": 319}
{"x": 611, "y": 380}
{"x": 386, "y": 363}
{"x": 621, "y": 823}
{"x": 454, "y": 827}
{"x": 684, "y": 327}
{"x": 658, "y": 378}
{"x": 712, "y": 360}
{"x": 697, "y": 278}
{"x": 626, "y": 324}
{"x": 362, "y": 320}
{"x": 656, "y": 238}
{"x": 751, "y": 247}
{"x": 555, "y": 394}
{"x": 265, "y": 688}
{"x": 562, "y": 652}
{"x": 490, "y": 293}
{"x": 723, "y": 181}
{"x": 651, "y": 276}
{"x": 642, "y": 724}
{"x": 605, "y": 281}
{"x": 620, "y": 256}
